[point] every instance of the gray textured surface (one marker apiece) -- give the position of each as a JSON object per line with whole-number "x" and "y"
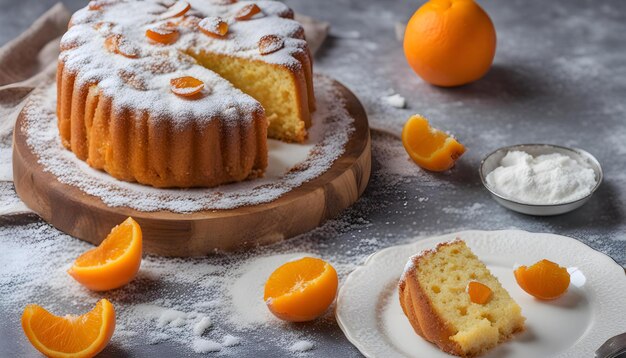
{"x": 559, "y": 77}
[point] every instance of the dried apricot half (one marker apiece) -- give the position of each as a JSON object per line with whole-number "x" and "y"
{"x": 186, "y": 86}
{"x": 478, "y": 292}
{"x": 213, "y": 26}
{"x": 162, "y": 34}
{"x": 270, "y": 44}
{"x": 545, "y": 279}
{"x": 247, "y": 12}
{"x": 179, "y": 8}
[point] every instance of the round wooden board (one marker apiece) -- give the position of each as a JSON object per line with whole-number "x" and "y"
{"x": 70, "y": 210}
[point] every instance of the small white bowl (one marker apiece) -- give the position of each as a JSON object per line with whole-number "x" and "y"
{"x": 492, "y": 161}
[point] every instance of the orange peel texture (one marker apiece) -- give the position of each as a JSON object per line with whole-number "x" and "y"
{"x": 450, "y": 42}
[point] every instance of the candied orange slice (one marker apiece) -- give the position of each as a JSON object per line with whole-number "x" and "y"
{"x": 163, "y": 34}
{"x": 69, "y": 335}
{"x": 270, "y": 44}
{"x": 186, "y": 86}
{"x": 545, "y": 279}
{"x": 119, "y": 45}
{"x": 430, "y": 148}
{"x": 246, "y": 12}
{"x": 301, "y": 290}
{"x": 478, "y": 292}
{"x": 179, "y": 8}
{"x": 213, "y": 26}
{"x": 114, "y": 263}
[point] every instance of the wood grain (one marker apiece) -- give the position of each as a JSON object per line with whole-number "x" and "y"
{"x": 166, "y": 233}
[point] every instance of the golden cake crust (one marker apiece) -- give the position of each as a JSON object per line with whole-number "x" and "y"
{"x": 135, "y": 146}
{"x": 420, "y": 311}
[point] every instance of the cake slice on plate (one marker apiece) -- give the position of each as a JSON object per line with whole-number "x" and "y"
{"x": 434, "y": 297}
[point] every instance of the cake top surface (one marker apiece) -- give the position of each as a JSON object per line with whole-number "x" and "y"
{"x": 107, "y": 44}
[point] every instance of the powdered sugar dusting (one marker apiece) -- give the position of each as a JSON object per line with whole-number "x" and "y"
{"x": 90, "y": 54}
{"x": 204, "y": 345}
{"x": 203, "y": 304}
{"x": 211, "y": 24}
{"x": 331, "y": 131}
{"x": 301, "y": 346}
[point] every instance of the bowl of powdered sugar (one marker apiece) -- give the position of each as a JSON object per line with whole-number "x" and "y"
{"x": 540, "y": 179}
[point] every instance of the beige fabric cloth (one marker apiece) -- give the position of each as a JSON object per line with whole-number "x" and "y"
{"x": 30, "y": 58}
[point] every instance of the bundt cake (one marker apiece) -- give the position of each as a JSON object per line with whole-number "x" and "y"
{"x": 182, "y": 94}
{"x": 434, "y": 297}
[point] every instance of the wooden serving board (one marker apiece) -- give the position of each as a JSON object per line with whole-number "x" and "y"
{"x": 304, "y": 208}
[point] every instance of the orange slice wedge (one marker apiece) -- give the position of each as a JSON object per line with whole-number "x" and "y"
{"x": 112, "y": 264}
{"x": 70, "y": 335}
{"x": 430, "y": 148}
{"x": 544, "y": 280}
{"x": 301, "y": 290}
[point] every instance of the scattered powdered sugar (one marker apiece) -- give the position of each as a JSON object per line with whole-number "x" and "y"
{"x": 546, "y": 179}
{"x": 395, "y": 100}
{"x": 201, "y": 304}
{"x": 11, "y": 203}
{"x": 6, "y": 165}
{"x": 332, "y": 130}
{"x": 201, "y": 326}
{"x": 230, "y": 341}
{"x": 468, "y": 211}
{"x": 204, "y": 345}
{"x": 301, "y": 346}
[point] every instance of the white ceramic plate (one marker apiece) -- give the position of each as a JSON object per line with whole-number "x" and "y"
{"x": 574, "y": 325}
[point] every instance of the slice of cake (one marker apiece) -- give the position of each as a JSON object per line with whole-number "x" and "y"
{"x": 434, "y": 297}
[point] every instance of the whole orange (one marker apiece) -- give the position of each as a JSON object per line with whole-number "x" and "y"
{"x": 450, "y": 42}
